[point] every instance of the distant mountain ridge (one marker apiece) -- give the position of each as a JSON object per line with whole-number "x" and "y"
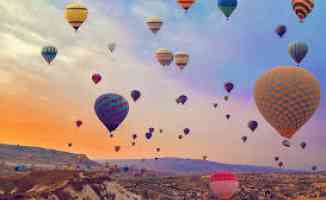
{"x": 27, "y": 155}
{"x": 192, "y": 166}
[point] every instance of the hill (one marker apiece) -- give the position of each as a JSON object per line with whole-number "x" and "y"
{"x": 192, "y": 166}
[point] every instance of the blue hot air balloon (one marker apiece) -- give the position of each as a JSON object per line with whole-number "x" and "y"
{"x": 111, "y": 109}
{"x": 148, "y": 135}
{"x": 227, "y": 6}
{"x": 49, "y": 53}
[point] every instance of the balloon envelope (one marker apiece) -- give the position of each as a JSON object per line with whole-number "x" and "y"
{"x": 154, "y": 23}
{"x": 186, "y": 4}
{"x": 253, "y": 125}
{"x": 164, "y": 56}
{"x": 111, "y": 47}
{"x": 111, "y": 109}
{"x": 281, "y": 30}
{"x": 135, "y": 95}
{"x": 228, "y": 86}
{"x": 49, "y": 53}
{"x": 96, "y": 78}
{"x": 78, "y": 123}
{"x": 287, "y": 97}
{"x": 227, "y": 6}
{"x": 75, "y": 14}
{"x": 298, "y": 51}
{"x": 302, "y": 8}
{"x": 224, "y": 185}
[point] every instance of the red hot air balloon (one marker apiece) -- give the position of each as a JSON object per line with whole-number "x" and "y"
{"x": 96, "y": 78}
{"x": 224, "y": 185}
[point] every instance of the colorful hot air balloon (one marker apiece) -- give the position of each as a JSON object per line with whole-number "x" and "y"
{"x": 111, "y": 109}
{"x": 226, "y": 98}
{"x": 215, "y": 105}
{"x": 244, "y": 138}
{"x": 280, "y": 30}
{"x": 135, "y": 95}
{"x": 75, "y": 14}
{"x": 181, "y": 59}
{"x": 96, "y": 78}
{"x": 112, "y": 46}
{"x": 228, "y": 86}
{"x": 224, "y": 185}
{"x": 252, "y": 125}
{"x": 298, "y": 51}
{"x": 154, "y": 23}
{"x": 49, "y": 53}
{"x": 164, "y": 56}
{"x": 134, "y": 136}
{"x": 186, "y": 131}
{"x": 302, "y": 8}
{"x": 78, "y": 123}
{"x": 303, "y": 145}
{"x": 278, "y": 90}
{"x": 204, "y": 157}
{"x": 186, "y": 4}
{"x": 227, "y": 7}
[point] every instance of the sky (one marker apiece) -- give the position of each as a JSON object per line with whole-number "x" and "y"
{"x": 40, "y": 102}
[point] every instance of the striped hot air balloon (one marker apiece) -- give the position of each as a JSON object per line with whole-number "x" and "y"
{"x": 181, "y": 59}
{"x": 186, "y": 4}
{"x": 302, "y": 8}
{"x": 287, "y": 97}
{"x": 298, "y": 51}
{"x": 224, "y": 185}
{"x": 164, "y": 56}
{"x": 75, "y": 14}
{"x": 111, "y": 109}
{"x": 49, "y": 53}
{"x": 154, "y": 23}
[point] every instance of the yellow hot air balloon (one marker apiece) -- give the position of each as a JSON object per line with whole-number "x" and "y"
{"x": 75, "y": 14}
{"x": 287, "y": 97}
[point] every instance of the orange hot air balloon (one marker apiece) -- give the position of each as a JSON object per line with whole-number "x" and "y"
{"x": 75, "y": 14}
{"x": 287, "y": 97}
{"x": 186, "y": 4}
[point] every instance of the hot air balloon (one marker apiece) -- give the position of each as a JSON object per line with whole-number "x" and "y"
{"x": 96, "y": 78}
{"x": 302, "y": 8}
{"x": 111, "y": 109}
{"x": 156, "y": 158}
{"x": 75, "y": 14}
{"x": 186, "y": 131}
{"x": 204, "y": 157}
{"x": 180, "y": 137}
{"x": 215, "y": 105}
{"x": 133, "y": 143}
{"x": 303, "y": 145}
{"x": 148, "y": 136}
{"x": 228, "y": 86}
{"x": 49, "y": 53}
{"x": 111, "y": 135}
{"x": 135, "y": 95}
{"x": 164, "y": 56}
{"x": 69, "y": 144}
{"x": 276, "y": 158}
{"x": 252, "y": 125}
{"x": 280, "y": 164}
{"x": 151, "y": 130}
{"x": 158, "y": 149}
{"x": 154, "y": 23}
{"x": 226, "y": 98}
{"x": 227, "y": 7}
{"x": 278, "y": 90}
{"x": 227, "y": 116}
{"x": 182, "y": 99}
{"x": 314, "y": 168}
{"x": 280, "y": 30}
{"x": 134, "y": 136}
{"x": 224, "y": 185}
{"x": 125, "y": 169}
{"x": 186, "y": 4}
{"x": 244, "y": 138}
{"x": 78, "y": 123}
{"x": 286, "y": 143}
{"x": 112, "y": 46}
{"x": 161, "y": 130}
{"x": 181, "y": 59}
{"x": 298, "y": 51}
{"x": 117, "y": 148}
